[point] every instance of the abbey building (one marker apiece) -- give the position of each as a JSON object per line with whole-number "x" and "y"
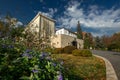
{"x": 44, "y": 28}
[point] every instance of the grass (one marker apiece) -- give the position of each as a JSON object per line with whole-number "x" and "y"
{"x": 82, "y": 68}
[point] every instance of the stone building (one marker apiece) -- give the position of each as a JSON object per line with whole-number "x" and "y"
{"x": 44, "y": 28}
{"x": 65, "y": 37}
{"x": 41, "y": 28}
{"x": 42, "y": 25}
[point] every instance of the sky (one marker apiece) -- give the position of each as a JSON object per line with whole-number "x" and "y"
{"x": 99, "y": 17}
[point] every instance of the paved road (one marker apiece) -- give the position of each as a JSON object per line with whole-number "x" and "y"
{"x": 113, "y": 57}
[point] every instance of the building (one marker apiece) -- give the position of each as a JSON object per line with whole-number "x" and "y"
{"x": 65, "y": 37}
{"x": 66, "y": 32}
{"x": 44, "y": 28}
{"x": 42, "y": 25}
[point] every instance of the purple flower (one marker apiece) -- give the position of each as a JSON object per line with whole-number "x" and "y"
{"x": 35, "y": 71}
{"x": 11, "y": 46}
{"x": 60, "y": 77}
{"x": 43, "y": 55}
{"x": 54, "y": 64}
{"x": 4, "y": 46}
{"x": 28, "y": 50}
{"x": 27, "y": 55}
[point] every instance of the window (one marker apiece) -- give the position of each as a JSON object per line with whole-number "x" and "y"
{"x": 68, "y": 44}
{"x": 31, "y": 24}
{"x": 61, "y": 32}
{"x": 53, "y": 44}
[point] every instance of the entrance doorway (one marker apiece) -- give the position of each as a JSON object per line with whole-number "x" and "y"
{"x": 74, "y": 43}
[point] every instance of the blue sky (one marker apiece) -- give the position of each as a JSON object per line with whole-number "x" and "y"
{"x": 100, "y": 17}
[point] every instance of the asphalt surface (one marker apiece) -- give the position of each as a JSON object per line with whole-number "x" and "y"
{"x": 113, "y": 57}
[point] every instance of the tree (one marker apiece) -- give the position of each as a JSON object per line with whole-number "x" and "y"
{"x": 9, "y": 30}
{"x": 88, "y": 41}
{"x": 4, "y": 29}
{"x": 79, "y": 31}
{"x": 106, "y": 40}
{"x": 98, "y": 43}
{"x": 17, "y": 32}
{"x": 114, "y": 43}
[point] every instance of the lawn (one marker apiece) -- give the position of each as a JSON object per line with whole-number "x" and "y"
{"x": 82, "y": 68}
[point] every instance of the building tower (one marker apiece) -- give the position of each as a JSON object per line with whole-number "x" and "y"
{"x": 79, "y": 31}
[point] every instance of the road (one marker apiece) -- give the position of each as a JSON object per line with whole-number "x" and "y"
{"x": 113, "y": 57}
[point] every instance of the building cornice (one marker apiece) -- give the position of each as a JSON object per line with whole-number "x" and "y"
{"x": 66, "y": 29}
{"x": 40, "y": 14}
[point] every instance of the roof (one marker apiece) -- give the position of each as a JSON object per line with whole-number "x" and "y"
{"x": 66, "y": 29}
{"x": 84, "y": 33}
{"x": 40, "y": 14}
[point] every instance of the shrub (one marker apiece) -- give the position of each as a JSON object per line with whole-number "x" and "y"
{"x": 27, "y": 64}
{"x": 48, "y": 50}
{"x": 68, "y": 49}
{"x": 86, "y": 53}
{"x": 57, "y": 50}
{"x": 76, "y": 52}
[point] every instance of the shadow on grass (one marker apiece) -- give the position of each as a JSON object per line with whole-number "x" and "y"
{"x": 74, "y": 77}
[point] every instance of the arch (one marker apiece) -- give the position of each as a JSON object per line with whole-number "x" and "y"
{"x": 74, "y": 43}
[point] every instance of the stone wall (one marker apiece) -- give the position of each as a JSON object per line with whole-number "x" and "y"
{"x": 80, "y": 44}
{"x": 67, "y": 40}
{"x": 47, "y": 27}
{"x": 61, "y": 40}
{"x": 56, "y": 41}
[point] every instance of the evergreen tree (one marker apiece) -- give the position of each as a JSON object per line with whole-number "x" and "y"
{"x": 98, "y": 43}
{"x": 88, "y": 41}
{"x": 79, "y": 31}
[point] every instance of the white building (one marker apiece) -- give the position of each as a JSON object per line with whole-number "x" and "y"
{"x": 66, "y": 32}
{"x": 64, "y": 37}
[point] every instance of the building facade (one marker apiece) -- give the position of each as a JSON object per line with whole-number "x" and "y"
{"x": 42, "y": 25}
{"x": 63, "y": 40}
{"x": 44, "y": 28}
{"x": 66, "y": 32}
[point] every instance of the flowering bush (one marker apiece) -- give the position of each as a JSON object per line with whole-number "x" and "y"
{"x": 17, "y": 62}
{"x": 42, "y": 66}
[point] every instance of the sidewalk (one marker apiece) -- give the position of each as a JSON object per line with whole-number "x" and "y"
{"x": 110, "y": 72}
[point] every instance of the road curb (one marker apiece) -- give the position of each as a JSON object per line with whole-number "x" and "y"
{"x": 110, "y": 72}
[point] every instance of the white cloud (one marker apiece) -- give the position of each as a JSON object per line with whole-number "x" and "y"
{"x": 41, "y": 1}
{"x": 19, "y": 23}
{"x": 96, "y": 18}
{"x": 46, "y": 14}
{"x": 50, "y": 13}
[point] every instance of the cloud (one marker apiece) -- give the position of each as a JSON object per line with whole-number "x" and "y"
{"x": 94, "y": 17}
{"x": 41, "y": 1}
{"x": 46, "y": 14}
{"x": 50, "y": 13}
{"x": 19, "y": 23}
